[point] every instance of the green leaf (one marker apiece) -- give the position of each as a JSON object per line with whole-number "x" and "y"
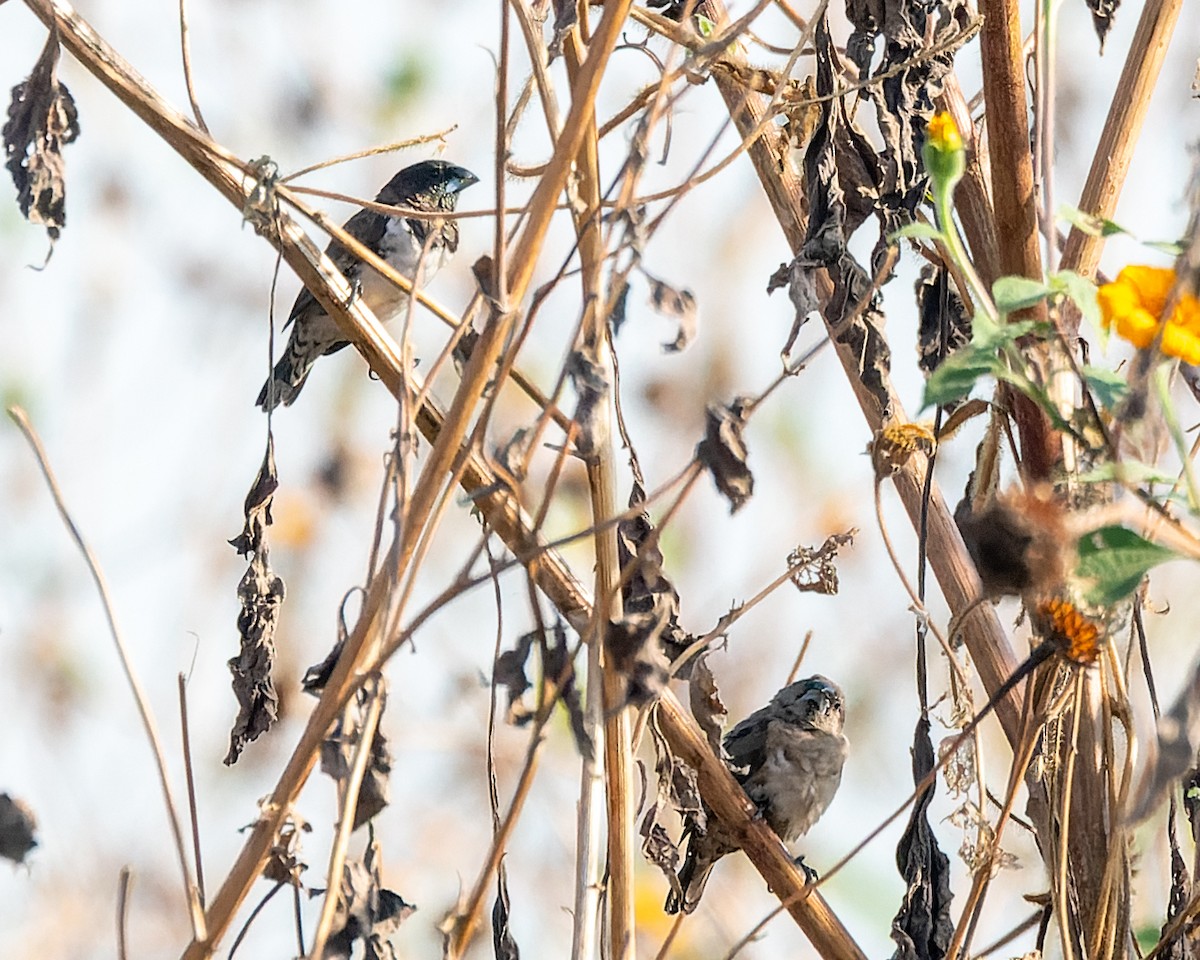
{"x": 916, "y": 231}
{"x": 956, "y": 377}
{"x": 1107, "y": 387}
{"x": 1114, "y": 560}
{"x": 1172, "y": 248}
{"x": 1090, "y": 224}
{"x": 1081, "y": 291}
{"x": 1017, "y": 293}
{"x": 1133, "y": 472}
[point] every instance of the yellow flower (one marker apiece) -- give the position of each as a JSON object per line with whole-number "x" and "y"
{"x": 945, "y": 158}
{"x": 943, "y": 133}
{"x": 1135, "y": 302}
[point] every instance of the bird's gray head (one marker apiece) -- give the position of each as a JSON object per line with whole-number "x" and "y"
{"x": 430, "y": 184}
{"x": 815, "y": 703}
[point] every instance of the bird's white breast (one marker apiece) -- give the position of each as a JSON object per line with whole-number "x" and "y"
{"x": 401, "y": 251}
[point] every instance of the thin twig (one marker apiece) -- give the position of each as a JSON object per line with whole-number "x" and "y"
{"x": 185, "y": 47}
{"x": 195, "y": 910}
{"x": 190, "y": 773}
{"x": 124, "y": 882}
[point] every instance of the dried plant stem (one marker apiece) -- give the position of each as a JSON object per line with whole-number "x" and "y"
{"x": 349, "y": 809}
{"x": 185, "y": 50}
{"x": 605, "y": 689}
{"x": 189, "y": 772}
{"x": 190, "y": 894}
{"x": 124, "y": 882}
{"x": 1122, "y": 128}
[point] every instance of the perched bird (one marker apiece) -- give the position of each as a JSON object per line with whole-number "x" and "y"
{"x": 788, "y": 758}
{"x": 431, "y": 186}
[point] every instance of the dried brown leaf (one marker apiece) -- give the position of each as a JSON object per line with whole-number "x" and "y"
{"x": 17, "y": 827}
{"x": 261, "y": 595}
{"x": 723, "y": 451}
{"x": 42, "y": 119}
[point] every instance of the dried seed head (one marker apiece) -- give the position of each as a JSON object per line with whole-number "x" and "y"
{"x": 1073, "y": 635}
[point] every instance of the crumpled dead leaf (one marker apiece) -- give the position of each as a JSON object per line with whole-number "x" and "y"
{"x": 815, "y": 571}
{"x": 922, "y": 928}
{"x": 678, "y": 303}
{"x": 591, "y": 385}
{"x": 339, "y": 748}
{"x": 645, "y": 641}
{"x": 42, "y": 119}
{"x": 17, "y": 827}
{"x": 366, "y": 911}
{"x": 261, "y": 595}
{"x": 706, "y": 704}
{"x": 723, "y": 451}
{"x": 677, "y": 789}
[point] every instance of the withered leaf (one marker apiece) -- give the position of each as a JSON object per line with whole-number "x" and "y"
{"x": 619, "y": 312}
{"x": 17, "y": 827}
{"x": 659, "y": 848}
{"x": 557, "y": 666}
{"x": 503, "y": 943}
{"x": 339, "y": 748}
{"x": 283, "y": 861}
{"x": 635, "y": 651}
{"x": 1103, "y": 12}
{"x": 943, "y": 325}
{"x": 366, "y": 911}
{"x": 42, "y": 119}
{"x": 678, "y": 303}
{"x": 261, "y": 595}
{"x": 852, "y": 313}
{"x": 509, "y": 672}
{"x": 705, "y": 701}
{"x": 566, "y": 16}
{"x": 648, "y": 596}
{"x": 1181, "y": 946}
{"x": 814, "y": 566}
{"x": 676, "y": 789}
{"x": 723, "y": 451}
{"x": 316, "y": 676}
{"x": 911, "y": 77}
{"x": 591, "y": 389}
{"x": 922, "y": 928}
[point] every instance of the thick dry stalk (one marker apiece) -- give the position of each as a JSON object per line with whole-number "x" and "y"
{"x": 602, "y": 485}
{"x": 1122, "y": 127}
{"x": 1014, "y": 204}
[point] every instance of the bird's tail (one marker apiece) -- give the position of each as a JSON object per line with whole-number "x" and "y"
{"x": 285, "y": 382}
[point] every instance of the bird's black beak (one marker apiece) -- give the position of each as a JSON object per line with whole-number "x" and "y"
{"x": 458, "y": 179}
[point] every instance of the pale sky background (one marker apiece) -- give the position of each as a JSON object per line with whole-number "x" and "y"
{"x": 138, "y": 353}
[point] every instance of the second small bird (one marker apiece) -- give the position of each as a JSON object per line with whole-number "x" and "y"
{"x": 788, "y": 757}
{"x": 431, "y": 186}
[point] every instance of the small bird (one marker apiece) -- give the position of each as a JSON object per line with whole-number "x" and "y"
{"x": 431, "y": 186}
{"x": 788, "y": 757}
